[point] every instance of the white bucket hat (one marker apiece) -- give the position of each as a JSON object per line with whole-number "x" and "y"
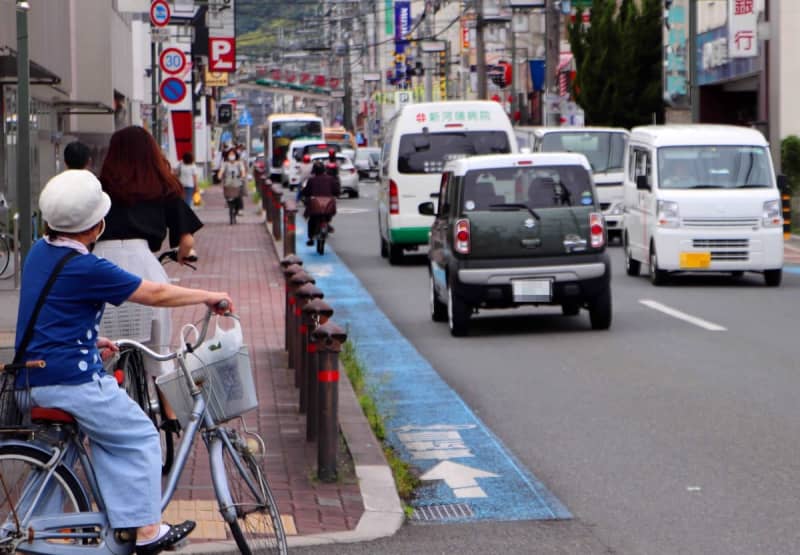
{"x": 73, "y": 201}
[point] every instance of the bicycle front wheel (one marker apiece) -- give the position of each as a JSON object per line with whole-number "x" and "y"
{"x": 22, "y": 474}
{"x": 5, "y": 257}
{"x": 258, "y": 528}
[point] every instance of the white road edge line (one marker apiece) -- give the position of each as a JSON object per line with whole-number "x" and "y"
{"x": 655, "y": 305}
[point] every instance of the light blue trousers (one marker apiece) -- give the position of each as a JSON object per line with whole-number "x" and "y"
{"x": 125, "y": 446}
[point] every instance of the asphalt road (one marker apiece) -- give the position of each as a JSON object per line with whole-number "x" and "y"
{"x": 671, "y": 433}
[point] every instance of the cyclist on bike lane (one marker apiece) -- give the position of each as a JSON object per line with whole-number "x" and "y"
{"x": 124, "y": 444}
{"x": 147, "y": 201}
{"x": 323, "y": 186}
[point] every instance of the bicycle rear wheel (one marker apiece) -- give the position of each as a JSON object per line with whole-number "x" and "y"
{"x": 258, "y": 528}
{"x": 22, "y": 470}
{"x": 141, "y": 389}
{"x": 5, "y": 257}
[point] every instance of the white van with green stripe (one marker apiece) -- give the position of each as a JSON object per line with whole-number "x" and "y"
{"x": 419, "y": 140}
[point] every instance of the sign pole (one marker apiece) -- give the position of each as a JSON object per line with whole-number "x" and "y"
{"x": 23, "y": 133}
{"x": 153, "y": 88}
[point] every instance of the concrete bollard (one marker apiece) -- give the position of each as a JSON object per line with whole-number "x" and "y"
{"x": 289, "y": 228}
{"x": 295, "y": 282}
{"x": 288, "y": 308}
{"x": 328, "y": 338}
{"x": 277, "y": 220}
{"x": 316, "y": 313}
{"x": 305, "y": 294}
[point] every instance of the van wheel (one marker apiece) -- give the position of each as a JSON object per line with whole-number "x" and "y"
{"x": 458, "y": 313}
{"x": 384, "y": 248}
{"x": 395, "y": 254}
{"x": 657, "y": 277}
{"x": 438, "y": 308}
{"x": 632, "y": 267}
{"x": 773, "y": 277}
{"x": 600, "y": 311}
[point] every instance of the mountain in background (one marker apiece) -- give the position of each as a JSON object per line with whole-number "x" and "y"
{"x": 259, "y": 23}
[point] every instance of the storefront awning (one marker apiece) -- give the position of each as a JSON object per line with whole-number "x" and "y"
{"x": 38, "y": 74}
{"x": 77, "y": 107}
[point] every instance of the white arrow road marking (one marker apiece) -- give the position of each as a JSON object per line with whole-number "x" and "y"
{"x": 320, "y": 270}
{"x": 459, "y": 477}
{"x": 711, "y": 326}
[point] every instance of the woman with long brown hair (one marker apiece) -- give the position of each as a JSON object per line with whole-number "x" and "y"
{"x": 147, "y": 204}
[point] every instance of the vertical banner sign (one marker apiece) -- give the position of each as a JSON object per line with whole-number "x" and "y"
{"x": 402, "y": 27}
{"x": 222, "y": 37}
{"x": 389, "y": 17}
{"x": 676, "y": 54}
{"x": 742, "y": 29}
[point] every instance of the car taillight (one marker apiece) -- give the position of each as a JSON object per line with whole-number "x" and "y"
{"x": 352, "y": 170}
{"x": 286, "y": 162}
{"x": 462, "y": 237}
{"x": 597, "y": 230}
{"x": 306, "y": 159}
{"x": 394, "y": 200}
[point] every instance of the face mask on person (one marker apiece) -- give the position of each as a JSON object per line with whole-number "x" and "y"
{"x": 90, "y": 246}
{"x": 231, "y": 158}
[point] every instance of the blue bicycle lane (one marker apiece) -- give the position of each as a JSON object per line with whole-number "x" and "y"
{"x": 466, "y": 471}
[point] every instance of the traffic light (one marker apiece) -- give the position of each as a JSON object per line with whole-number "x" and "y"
{"x": 224, "y": 114}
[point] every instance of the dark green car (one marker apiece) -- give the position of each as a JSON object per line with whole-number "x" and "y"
{"x": 518, "y": 229}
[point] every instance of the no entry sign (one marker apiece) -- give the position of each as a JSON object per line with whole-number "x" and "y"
{"x": 172, "y": 61}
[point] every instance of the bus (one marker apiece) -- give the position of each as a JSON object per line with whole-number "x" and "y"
{"x": 341, "y": 136}
{"x": 280, "y": 131}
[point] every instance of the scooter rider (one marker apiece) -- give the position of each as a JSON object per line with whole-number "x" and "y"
{"x": 320, "y": 184}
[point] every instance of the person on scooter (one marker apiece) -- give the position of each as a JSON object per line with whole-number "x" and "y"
{"x": 320, "y": 187}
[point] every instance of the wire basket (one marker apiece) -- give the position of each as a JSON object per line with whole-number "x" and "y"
{"x": 129, "y": 320}
{"x": 227, "y": 384}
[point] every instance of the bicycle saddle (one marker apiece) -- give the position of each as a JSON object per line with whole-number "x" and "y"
{"x": 43, "y": 414}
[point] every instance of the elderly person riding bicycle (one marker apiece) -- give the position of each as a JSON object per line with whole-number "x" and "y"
{"x": 124, "y": 443}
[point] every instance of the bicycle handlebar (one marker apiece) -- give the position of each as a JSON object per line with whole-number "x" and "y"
{"x": 21, "y": 365}
{"x": 223, "y": 305}
{"x": 172, "y": 254}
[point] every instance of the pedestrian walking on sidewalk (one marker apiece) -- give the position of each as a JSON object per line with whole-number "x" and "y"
{"x": 232, "y": 174}
{"x": 77, "y": 156}
{"x": 125, "y": 447}
{"x": 147, "y": 204}
{"x": 187, "y": 172}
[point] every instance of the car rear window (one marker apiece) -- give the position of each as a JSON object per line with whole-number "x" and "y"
{"x": 429, "y": 152}
{"x": 533, "y": 186}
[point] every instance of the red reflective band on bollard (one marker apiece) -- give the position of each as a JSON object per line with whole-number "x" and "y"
{"x": 303, "y": 328}
{"x": 298, "y": 311}
{"x": 311, "y": 348}
{"x": 292, "y": 300}
{"x": 291, "y": 228}
{"x": 328, "y": 376}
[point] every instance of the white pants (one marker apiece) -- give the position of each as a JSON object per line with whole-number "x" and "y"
{"x": 129, "y": 320}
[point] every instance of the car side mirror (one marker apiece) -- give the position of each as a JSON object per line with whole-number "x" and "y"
{"x": 427, "y": 209}
{"x": 641, "y": 183}
{"x": 783, "y": 183}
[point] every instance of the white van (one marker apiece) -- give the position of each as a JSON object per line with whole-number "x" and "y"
{"x": 701, "y": 198}
{"x": 605, "y": 149}
{"x": 419, "y": 140}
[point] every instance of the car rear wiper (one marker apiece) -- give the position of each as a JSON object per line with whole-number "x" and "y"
{"x": 514, "y": 206}
{"x": 751, "y": 186}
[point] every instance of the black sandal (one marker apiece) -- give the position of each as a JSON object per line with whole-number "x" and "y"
{"x": 175, "y": 534}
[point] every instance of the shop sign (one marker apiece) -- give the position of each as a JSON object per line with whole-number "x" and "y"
{"x": 742, "y": 29}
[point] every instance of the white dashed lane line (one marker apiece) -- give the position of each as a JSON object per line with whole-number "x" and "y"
{"x": 705, "y": 324}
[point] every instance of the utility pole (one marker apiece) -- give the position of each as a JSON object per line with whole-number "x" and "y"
{"x": 513, "y": 66}
{"x": 552, "y": 20}
{"x": 23, "y": 132}
{"x": 428, "y": 59}
{"x": 694, "y": 89}
{"x": 480, "y": 51}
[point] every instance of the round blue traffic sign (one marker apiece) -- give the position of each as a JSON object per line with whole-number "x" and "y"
{"x": 172, "y": 90}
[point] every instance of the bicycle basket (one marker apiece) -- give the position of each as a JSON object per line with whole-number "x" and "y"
{"x": 221, "y": 366}
{"x": 11, "y": 413}
{"x": 129, "y": 321}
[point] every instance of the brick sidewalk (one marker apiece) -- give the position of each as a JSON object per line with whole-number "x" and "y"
{"x": 241, "y": 260}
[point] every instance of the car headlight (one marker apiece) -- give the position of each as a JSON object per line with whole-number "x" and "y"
{"x": 771, "y": 216}
{"x": 617, "y": 209}
{"x": 667, "y": 214}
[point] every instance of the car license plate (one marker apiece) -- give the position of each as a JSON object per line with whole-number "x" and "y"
{"x": 695, "y": 260}
{"x": 532, "y": 290}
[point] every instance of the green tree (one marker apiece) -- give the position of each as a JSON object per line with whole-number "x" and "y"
{"x": 790, "y": 160}
{"x": 618, "y": 59}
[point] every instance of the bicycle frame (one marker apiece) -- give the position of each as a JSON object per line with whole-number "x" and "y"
{"x": 45, "y": 530}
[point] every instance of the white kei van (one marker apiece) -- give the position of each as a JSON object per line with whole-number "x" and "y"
{"x": 418, "y": 141}
{"x": 701, "y": 198}
{"x": 605, "y": 149}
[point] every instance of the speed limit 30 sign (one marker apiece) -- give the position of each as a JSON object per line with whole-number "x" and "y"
{"x": 172, "y": 61}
